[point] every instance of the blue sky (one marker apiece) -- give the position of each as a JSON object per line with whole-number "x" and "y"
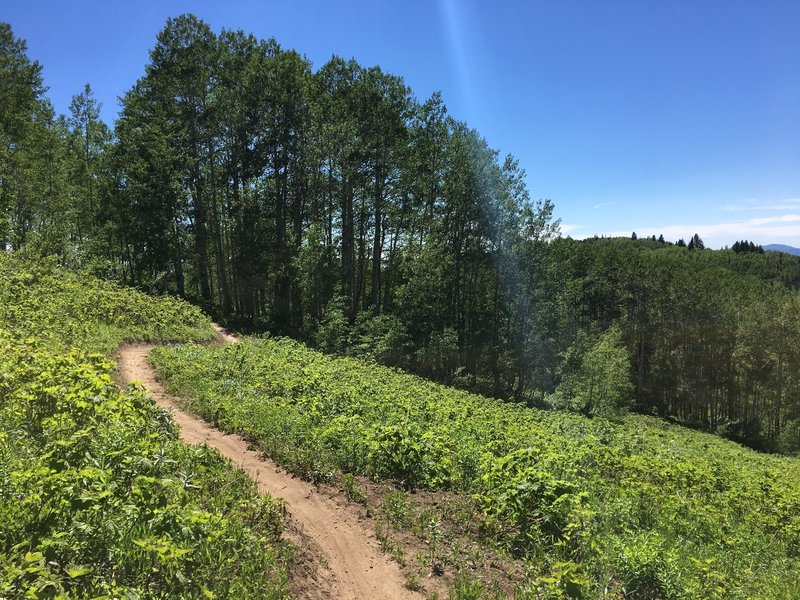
{"x": 656, "y": 117}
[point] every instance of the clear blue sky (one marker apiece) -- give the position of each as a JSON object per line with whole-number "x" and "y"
{"x": 670, "y": 117}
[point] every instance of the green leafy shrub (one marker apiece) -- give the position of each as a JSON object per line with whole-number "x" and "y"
{"x": 597, "y": 379}
{"x": 644, "y": 564}
{"x": 98, "y": 497}
{"x": 383, "y": 338}
{"x": 334, "y": 330}
{"x": 526, "y": 504}
{"x": 441, "y": 354}
{"x": 789, "y": 439}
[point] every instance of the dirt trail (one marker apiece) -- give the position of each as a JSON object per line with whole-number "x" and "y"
{"x": 351, "y": 564}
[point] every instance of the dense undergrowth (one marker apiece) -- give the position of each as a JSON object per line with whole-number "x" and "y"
{"x": 98, "y": 497}
{"x": 639, "y": 509}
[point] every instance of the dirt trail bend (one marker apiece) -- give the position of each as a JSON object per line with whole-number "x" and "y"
{"x": 351, "y": 564}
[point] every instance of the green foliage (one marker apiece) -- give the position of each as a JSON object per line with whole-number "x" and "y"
{"x": 630, "y": 507}
{"x": 397, "y": 509}
{"x": 597, "y": 381}
{"x": 66, "y": 308}
{"x": 526, "y": 505}
{"x": 644, "y": 566}
{"x": 351, "y": 490}
{"x": 712, "y": 337}
{"x": 465, "y": 588}
{"x": 98, "y": 497}
{"x": 440, "y": 357}
{"x": 383, "y": 338}
{"x": 333, "y": 332}
{"x": 789, "y": 439}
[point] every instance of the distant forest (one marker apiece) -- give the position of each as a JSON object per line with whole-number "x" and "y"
{"x": 335, "y": 207}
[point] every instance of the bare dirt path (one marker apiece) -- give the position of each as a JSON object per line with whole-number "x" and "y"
{"x": 351, "y": 564}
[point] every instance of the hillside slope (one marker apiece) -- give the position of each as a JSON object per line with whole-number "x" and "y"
{"x": 639, "y": 508}
{"x": 98, "y": 497}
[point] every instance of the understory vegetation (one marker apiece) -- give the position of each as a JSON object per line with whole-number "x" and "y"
{"x": 596, "y": 508}
{"x": 98, "y": 496}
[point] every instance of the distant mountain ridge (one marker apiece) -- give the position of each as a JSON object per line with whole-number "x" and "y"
{"x": 782, "y": 248}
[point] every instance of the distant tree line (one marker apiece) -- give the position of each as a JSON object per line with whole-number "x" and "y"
{"x": 745, "y": 246}
{"x": 695, "y": 242}
{"x": 713, "y": 337}
{"x": 335, "y": 207}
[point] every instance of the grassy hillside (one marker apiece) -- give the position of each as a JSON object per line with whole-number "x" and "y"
{"x": 596, "y": 509}
{"x": 98, "y": 497}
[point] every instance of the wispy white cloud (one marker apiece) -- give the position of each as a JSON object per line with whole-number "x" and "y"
{"x": 602, "y": 205}
{"x": 569, "y": 228}
{"x": 752, "y": 204}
